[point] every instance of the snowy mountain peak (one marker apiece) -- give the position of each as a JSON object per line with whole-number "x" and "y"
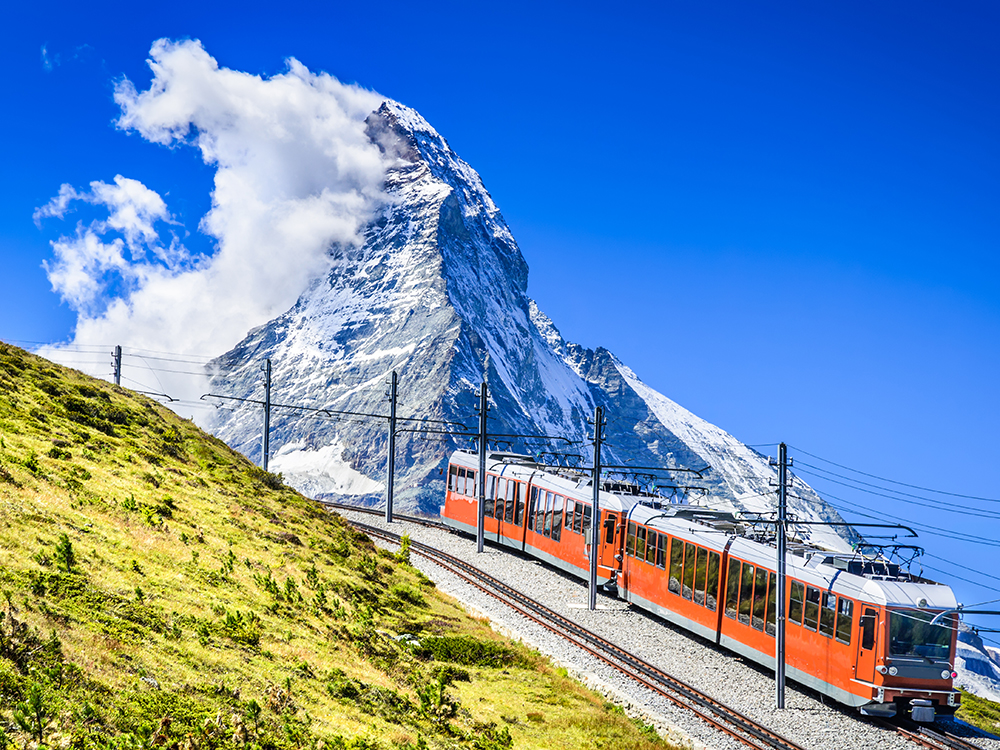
{"x": 438, "y": 293}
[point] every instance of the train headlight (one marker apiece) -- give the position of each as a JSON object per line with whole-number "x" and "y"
{"x": 881, "y": 669}
{"x": 946, "y": 674}
{"x": 893, "y": 671}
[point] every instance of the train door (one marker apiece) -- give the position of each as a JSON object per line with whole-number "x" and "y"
{"x": 506, "y": 507}
{"x": 609, "y": 541}
{"x": 493, "y": 485}
{"x": 867, "y": 644}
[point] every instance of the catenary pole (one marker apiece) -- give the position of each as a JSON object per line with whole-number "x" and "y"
{"x": 595, "y": 519}
{"x": 390, "y": 469}
{"x": 484, "y": 405}
{"x": 117, "y": 363}
{"x": 779, "y": 641}
{"x": 266, "y": 437}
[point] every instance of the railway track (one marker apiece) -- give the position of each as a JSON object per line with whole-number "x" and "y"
{"x": 928, "y": 738}
{"x": 716, "y": 714}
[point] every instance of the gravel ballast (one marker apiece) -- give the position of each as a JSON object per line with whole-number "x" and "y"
{"x": 809, "y": 719}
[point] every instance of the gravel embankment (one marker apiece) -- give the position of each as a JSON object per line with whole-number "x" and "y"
{"x": 806, "y": 720}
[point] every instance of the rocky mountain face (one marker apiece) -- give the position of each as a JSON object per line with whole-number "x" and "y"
{"x": 438, "y": 294}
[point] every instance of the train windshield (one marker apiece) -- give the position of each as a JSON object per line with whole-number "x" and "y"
{"x": 911, "y": 633}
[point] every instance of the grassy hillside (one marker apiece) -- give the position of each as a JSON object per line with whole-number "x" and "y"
{"x": 158, "y": 590}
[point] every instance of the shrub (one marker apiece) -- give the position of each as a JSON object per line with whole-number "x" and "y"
{"x": 464, "y": 649}
{"x": 64, "y": 555}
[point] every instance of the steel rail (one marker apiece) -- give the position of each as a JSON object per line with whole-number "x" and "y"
{"x": 927, "y": 737}
{"x": 681, "y": 694}
{"x": 376, "y": 512}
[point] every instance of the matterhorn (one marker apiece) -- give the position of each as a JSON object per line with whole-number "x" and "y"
{"x": 437, "y": 293}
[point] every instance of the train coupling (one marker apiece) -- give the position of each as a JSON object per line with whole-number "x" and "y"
{"x": 610, "y": 588}
{"x": 922, "y": 710}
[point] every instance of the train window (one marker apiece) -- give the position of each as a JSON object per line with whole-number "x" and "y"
{"x": 547, "y": 518}
{"x": 512, "y": 493}
{"x": 913, "y": 633}
{"x": 578, "y": 518}
{"x": 640, "y": 542}
{"x": 795, "y": 602}
{"x": 630, "y": 543}
{"x": 661, "y": 551}
{"x": 700, "y": 573}
{"x": 585, "y": 524}
{"x": 811, "y": 618}
{"x": 689, "y": 554}
{"x": 733, "y": 588}
{"x": 557, "y": 514}
{"x": 676, "y": 565}
{"x": 490, "y": 486}
{"x": 772, "y": 604}
{"x": 868, "y": 623}
{"x": 460, "y": 481}
{"x": 470, "y": 483}
{"x": 610, "y": 524}
{"x": 828, "y": 614}
{"x": 570, "y": 507}
{"x": 519, "y": 506}
{"x": 452, "y": 473}
{"x": 845, "y": 620}
{"x": 531, "y": 508}
{"x": 746, "y": 593}
{"x": 651, "y": 547}
{"x": 759, "y": 599}
{"x": 713, "y": 581}
{"x": 540, "y": 512}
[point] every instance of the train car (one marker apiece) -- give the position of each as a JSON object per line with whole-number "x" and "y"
{"x": 858, "y": 630}
{"x": 538, "y": 510}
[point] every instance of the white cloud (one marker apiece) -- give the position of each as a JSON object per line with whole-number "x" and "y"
{"x": 295, "y": 174}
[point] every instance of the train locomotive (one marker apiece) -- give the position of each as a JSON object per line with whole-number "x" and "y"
{"x": 860, "y": 630}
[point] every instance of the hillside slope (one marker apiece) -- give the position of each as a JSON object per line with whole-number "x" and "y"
{"x": 161, "y": 591}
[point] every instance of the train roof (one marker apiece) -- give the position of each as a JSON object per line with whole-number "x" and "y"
{"x": 875, "y": 580}
{"x": 574, "y": 483}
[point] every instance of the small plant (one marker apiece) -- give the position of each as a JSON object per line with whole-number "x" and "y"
{"x": 59, "y": 453}
{"x": 404, "y": 549}
{"x": 137, "y": 568}
{"x": 129, "y": 503}
{"x": 435, "y": 703}
{"x": 489, "y": 737}
{"x": 64, "y": 555}
{"x": 140, "y": 595}
{"x": 31, "y": 463}
{"x": 32, "y": 715}
{"x": 252, "y": 713}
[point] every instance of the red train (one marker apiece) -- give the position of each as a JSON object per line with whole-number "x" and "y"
{"x": 857, "y": 630}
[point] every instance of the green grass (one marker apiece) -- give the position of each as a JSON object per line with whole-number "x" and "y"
{"x": 980, "y": 712}
{"x": 158, "y": 590}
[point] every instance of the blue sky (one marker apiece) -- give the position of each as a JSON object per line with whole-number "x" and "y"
{"x": 783, "y": 216}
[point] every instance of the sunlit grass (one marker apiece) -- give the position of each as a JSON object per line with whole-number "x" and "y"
{"x": 206, "y": 605}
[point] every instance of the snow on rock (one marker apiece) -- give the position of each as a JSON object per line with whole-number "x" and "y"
{"x": 978, "y": 666}
{"x": 322, "y": 471}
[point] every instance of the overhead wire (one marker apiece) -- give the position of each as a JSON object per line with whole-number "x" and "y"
{"x": 893, "y": 481}
{"x": 945, "y": 507}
